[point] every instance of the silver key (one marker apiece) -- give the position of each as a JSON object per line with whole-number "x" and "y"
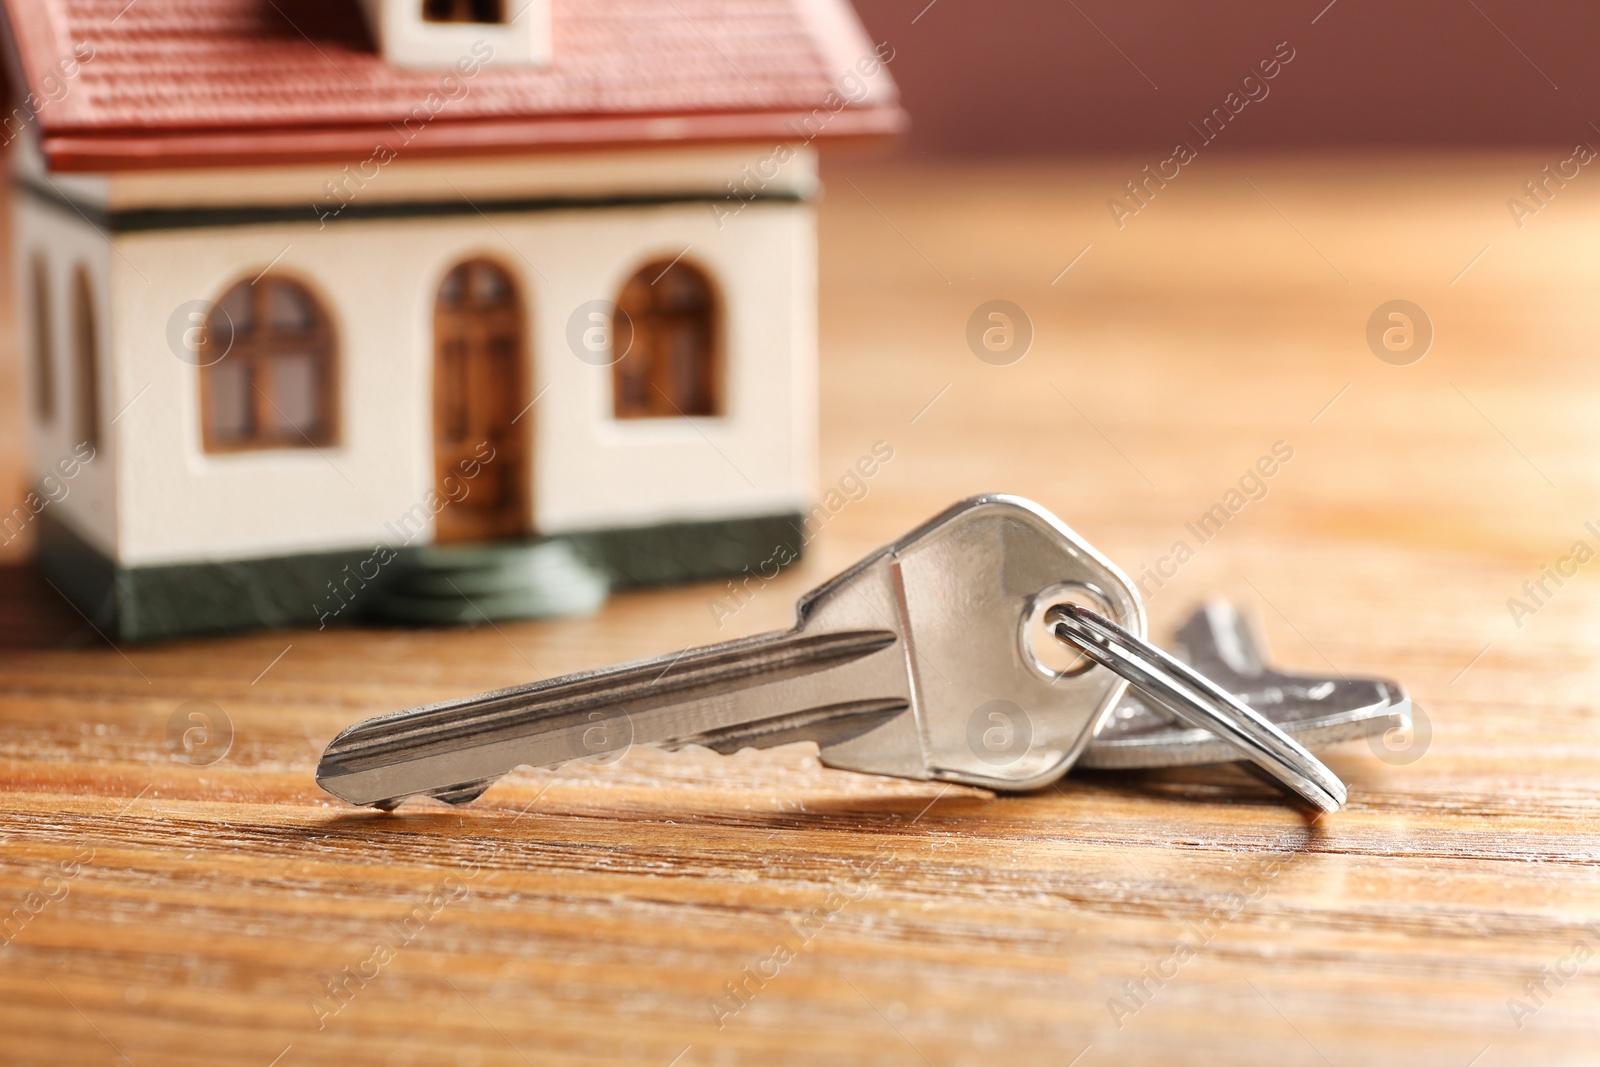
{"x": 1219, "y": 643}
{"x": 921, "y": 661}
{"x": 885, "y": 667}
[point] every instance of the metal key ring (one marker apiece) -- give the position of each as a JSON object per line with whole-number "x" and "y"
{"x": 1197, "y": 700}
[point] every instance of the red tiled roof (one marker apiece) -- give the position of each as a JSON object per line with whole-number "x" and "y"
{"x": 198, "y": 82}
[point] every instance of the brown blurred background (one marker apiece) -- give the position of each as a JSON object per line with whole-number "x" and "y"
{"x": 1046, "y": 77}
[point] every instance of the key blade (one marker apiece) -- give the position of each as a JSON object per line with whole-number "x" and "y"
{"x": 455, "y": 749}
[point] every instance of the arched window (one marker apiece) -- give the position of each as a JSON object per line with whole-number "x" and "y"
{"x": 44, "y": 348}
{"x": 86, "y": 355}
{"x": 672, "y": 366}
{"x": 267, "y": 377}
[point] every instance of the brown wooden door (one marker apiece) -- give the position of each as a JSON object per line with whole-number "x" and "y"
{"x": 480, "y": 420}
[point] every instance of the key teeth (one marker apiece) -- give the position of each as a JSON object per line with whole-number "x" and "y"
{"x": 465, "y": 793}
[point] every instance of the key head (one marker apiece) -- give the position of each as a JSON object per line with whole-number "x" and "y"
{"x": 993, "y": 704}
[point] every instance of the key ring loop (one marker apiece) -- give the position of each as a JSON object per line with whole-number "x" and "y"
{"x": 1198, "y": 701}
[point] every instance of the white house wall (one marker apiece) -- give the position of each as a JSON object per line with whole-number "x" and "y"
{"x": 378, "y": 280}
{"x": 87, "y": 500}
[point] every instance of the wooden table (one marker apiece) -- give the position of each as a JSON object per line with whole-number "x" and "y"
{"x": 596, "y": 915}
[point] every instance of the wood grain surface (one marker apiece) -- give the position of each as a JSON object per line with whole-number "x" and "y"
{"x": 597, "y": 915}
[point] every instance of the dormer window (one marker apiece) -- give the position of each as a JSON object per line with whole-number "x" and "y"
{"x": 462, "y": 34}
{"x": 490, "y": 12}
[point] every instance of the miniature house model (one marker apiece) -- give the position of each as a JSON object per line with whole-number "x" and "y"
{"x": 308, "y": 286}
